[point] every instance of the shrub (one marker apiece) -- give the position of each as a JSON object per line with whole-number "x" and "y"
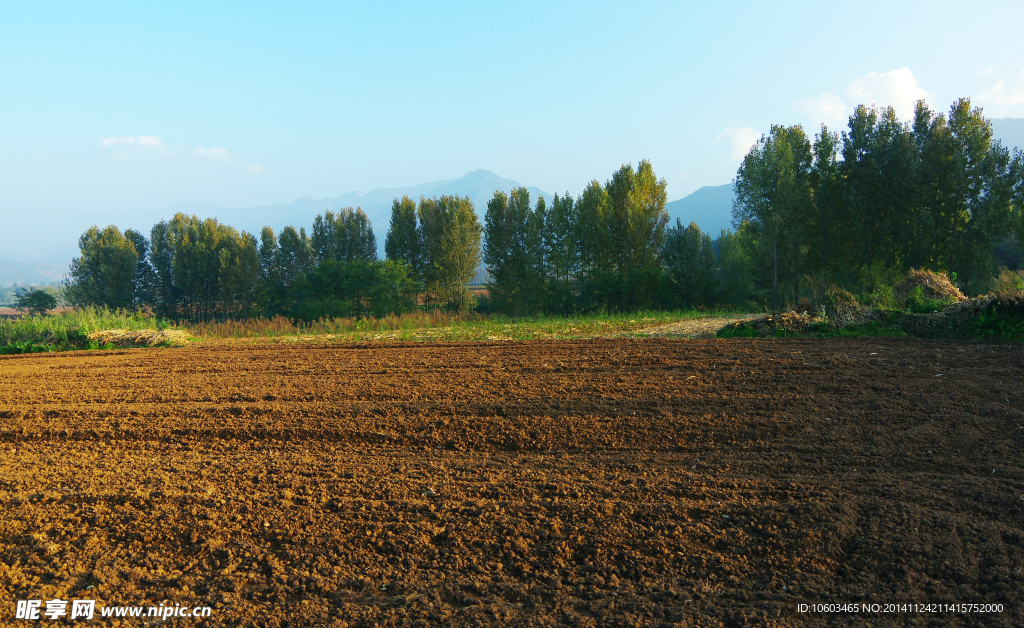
{"x": 918, "y": 303}
{"x": 1007, "y": 281}
{"x": 884, "y": 298}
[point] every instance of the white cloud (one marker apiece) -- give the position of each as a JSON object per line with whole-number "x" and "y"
{"x": 827, "y": 108}
{"x": 1000, "y": 94}
{"x": 742, "y": 140}
{"x": 216, "y": 153}
{"x": 1005, "y": 97}
{"x": 223, "y": 156}
{"x": 145, "y": 141}
{"x": 129, "y": 144}
{"x": 897, "y": 89}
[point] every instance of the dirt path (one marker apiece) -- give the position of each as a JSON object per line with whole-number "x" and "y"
{"x": 695, "y": 328}
{"x": 587, "y": 483}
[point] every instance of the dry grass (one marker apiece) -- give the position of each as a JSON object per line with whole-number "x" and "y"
{"x": 125, "y": 338}
{"x": 283, "y": 326}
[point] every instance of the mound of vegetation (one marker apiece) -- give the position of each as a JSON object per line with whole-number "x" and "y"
{"x": 922, "y": 304}
{"x": 923, "y": 291}
{"x": 997, "y": 316}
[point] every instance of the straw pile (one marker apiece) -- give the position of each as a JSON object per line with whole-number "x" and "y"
{"x": 953, "y": 320}
{"x": 125, "y": 338}
{"x": 842, "y": 309}
{"x": 934, "y": 287}
{"x": 773, "y": 324}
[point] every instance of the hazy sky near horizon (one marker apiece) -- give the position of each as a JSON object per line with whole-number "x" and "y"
{"x": 111, "y": 109}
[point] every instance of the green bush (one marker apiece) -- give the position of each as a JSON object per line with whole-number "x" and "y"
{"x": 68, "y": 330}
{"x": 738, "y": 330}
{"x": 993, "y": 324}
{"x": 919, "y": 303}
{"x": 883, "y": 298}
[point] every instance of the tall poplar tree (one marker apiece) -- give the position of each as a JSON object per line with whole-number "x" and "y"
{"x": 560, "y": 252}
{"x": 144, "y": 281}
{"x": 513, "y": 252}
{"x": 346, "y": 236}
{"x": 295, "y": 254}
{"x": 104, "y": 273}
{"x": 239, "y": 275}
{"x": 451, "y": 238}
{"x": 405, "y": 238}
{"x": 690, "y": 265}
{"x": 772, "y": 193}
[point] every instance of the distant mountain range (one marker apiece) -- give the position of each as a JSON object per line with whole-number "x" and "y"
{"x": 710, "y": 207}
{"x": 478, "y": 185}
{"x": 1009, "y": 131}
{"x": 26, "y": 273}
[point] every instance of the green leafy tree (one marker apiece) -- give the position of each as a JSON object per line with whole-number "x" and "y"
{"x": 104, "y": 274}
{"x": 827, "y": 194}
{"x": 356, "y": 288}
{"x": 239, "y": 274}
{"x": 772, "y": 194}
{"x": 737, "y": 260}
{"x": 513, "y": 252}
{"x": 405, "y": 238}
{"x": 690, "y": 264}
{"x": 637, "y": 217}
{"x": 560, "y": 254}
{"x": 591, "y": 242}
{"x": 35, "y": 302}
{"x": 878, "y": 163}
{"x": 616, "y": 234}
{"x": 295, "y": 254}
{"x": 981, "y": 196}
{"x": 197, "y": 264}
{"x": 1015, "y": 182}
{"x": 144, "y": 282}
{"x": 394, "y": 288}
{"x": 344, "y": 236}
{"x": 271, "y": 288}
{"x": 164, "y": 238}
{"x": 451, "y": 239}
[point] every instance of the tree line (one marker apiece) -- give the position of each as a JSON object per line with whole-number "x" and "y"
{"x": 198, "y": 269}
{"x": 854, "y": 209}
{"x": 885, "y": 196}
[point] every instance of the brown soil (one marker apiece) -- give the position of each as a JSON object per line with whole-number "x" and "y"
{"x": 598, "y": 482}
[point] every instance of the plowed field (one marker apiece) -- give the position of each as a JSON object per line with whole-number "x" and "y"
{"x": 586, "y": 483}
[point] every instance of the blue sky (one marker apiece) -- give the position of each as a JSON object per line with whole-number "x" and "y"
{"x": 114, "y": 109}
